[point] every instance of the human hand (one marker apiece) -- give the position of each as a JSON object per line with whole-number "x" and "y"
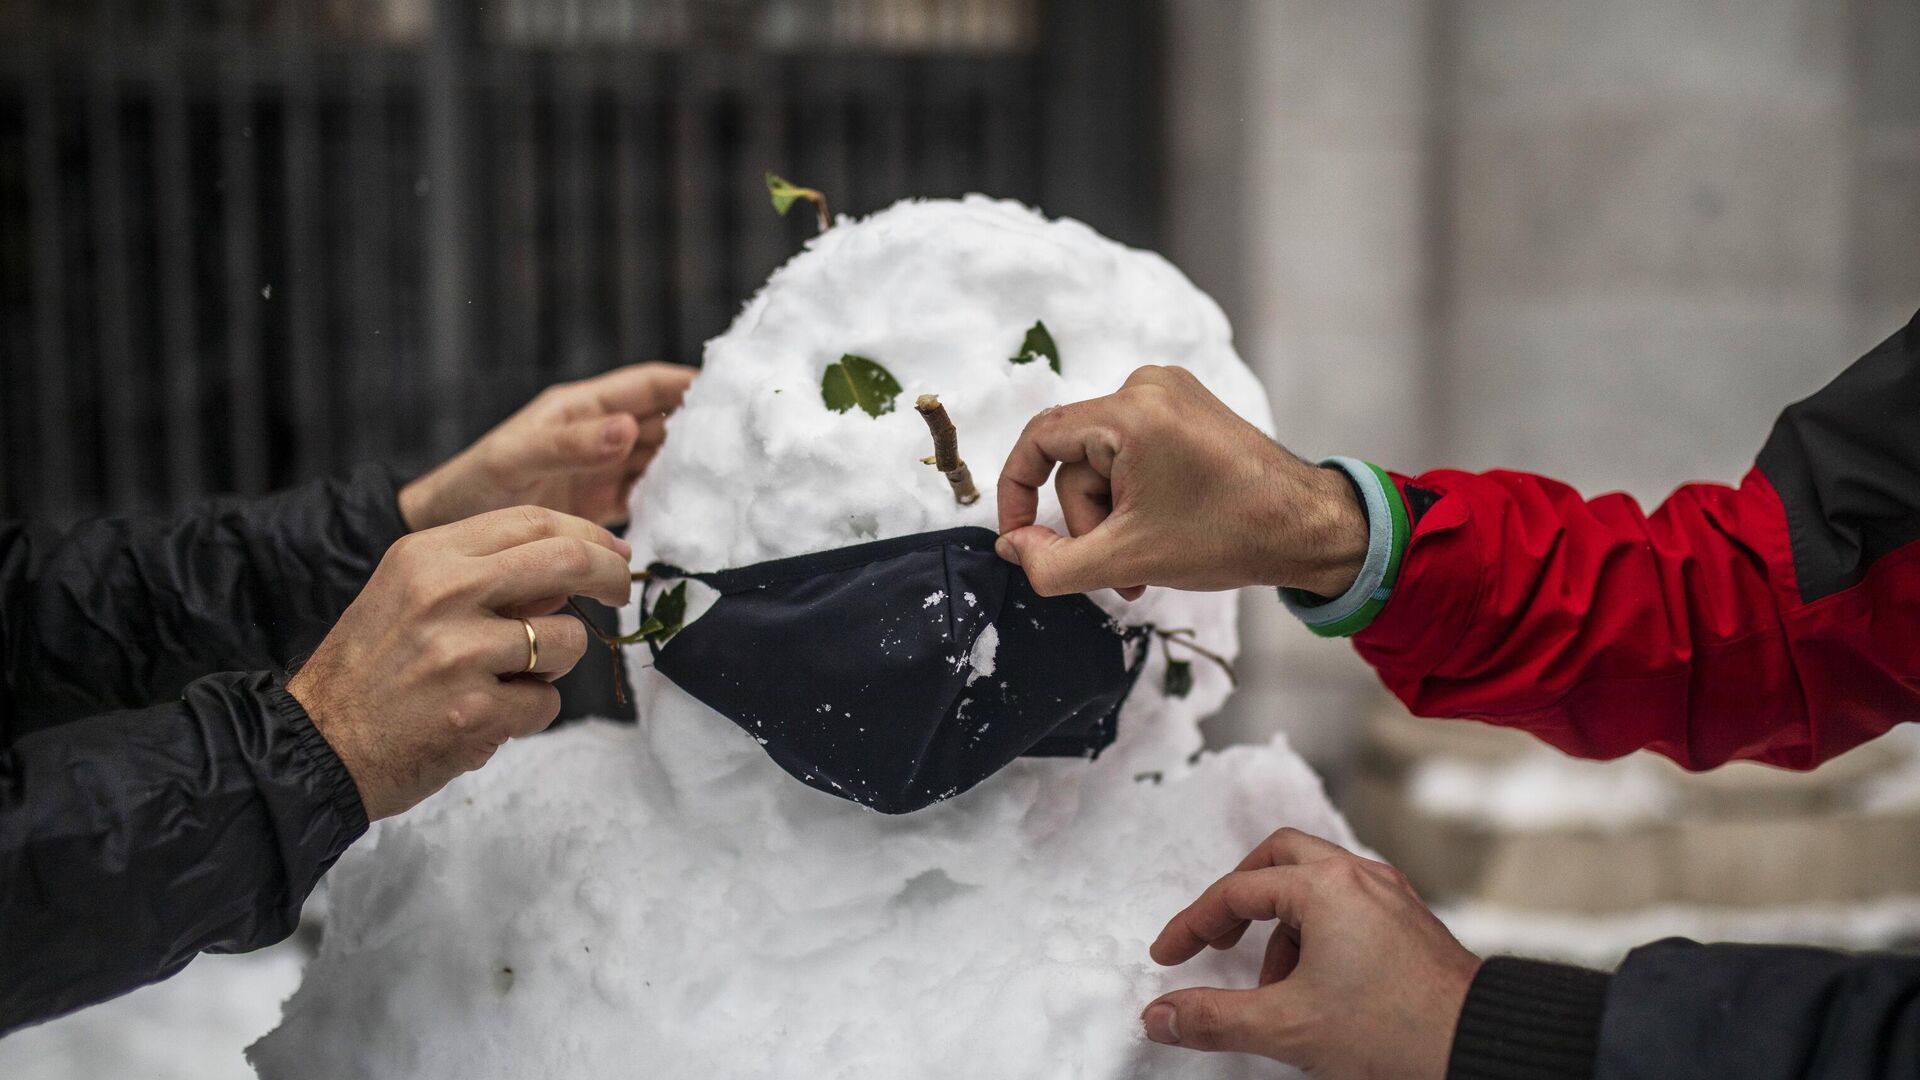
{"x": 1162, "y": 484}
{"x": 1359, "y": 979}
{"x": 577, "y": 448}
{"x": 427, "y": 672}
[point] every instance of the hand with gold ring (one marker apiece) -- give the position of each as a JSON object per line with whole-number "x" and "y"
{"x": 452, "y": 647}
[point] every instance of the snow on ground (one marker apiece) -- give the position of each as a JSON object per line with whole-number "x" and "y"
{"x": 1601, "y": 941}
{"x": 665, "y": 902}
{"x": 192, "y": 1027}
{"x": 1544, "y": 789}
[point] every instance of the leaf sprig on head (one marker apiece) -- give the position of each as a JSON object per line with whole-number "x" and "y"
{"x": 785, "y": 193}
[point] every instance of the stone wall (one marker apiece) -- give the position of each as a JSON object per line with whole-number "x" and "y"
{"x": 1603, "y": 241}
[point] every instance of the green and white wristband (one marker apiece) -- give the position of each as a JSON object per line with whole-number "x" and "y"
{"x": 1387, "y": 534}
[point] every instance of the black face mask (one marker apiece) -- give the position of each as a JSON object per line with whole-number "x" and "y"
{"x": 851, "y": 666}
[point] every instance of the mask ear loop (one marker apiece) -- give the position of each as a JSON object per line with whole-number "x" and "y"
{"x": 615, "y": 642}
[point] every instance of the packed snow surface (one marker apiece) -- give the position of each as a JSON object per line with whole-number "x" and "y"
{"x": 663, "y": 901}
{"x": 194, "y": 1026}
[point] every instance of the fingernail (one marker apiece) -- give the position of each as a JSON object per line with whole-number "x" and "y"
{"x": 1161, "y": 1026}
{"x": 625, "y": 549}
{"x": 1003, "y": 547}
{"x": 610, "y": 434}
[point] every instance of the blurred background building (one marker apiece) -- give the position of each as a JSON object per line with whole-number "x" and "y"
{"x": 245, "y": 242}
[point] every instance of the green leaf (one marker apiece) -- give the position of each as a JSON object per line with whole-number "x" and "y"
{"x": 856, "y": 380}
{"x": 1179, "y": 681}
{"x": 1039, "y": 344}
{"x": 669, "y": 614}
{"x": 784, "y": 193}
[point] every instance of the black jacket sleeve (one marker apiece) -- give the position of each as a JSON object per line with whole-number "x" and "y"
{"x": 1711, "y": 1012}
{"x": 119, "y": 613}
{"x": 131, "y": 840}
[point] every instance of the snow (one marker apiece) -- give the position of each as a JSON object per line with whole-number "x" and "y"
{"x": 1601, "y": 941}
{"x": 661, "y": 900}
{"x": 1544, "y": 790}
{"x": 194, "y": 1026}
{"x": 985, "y": 647}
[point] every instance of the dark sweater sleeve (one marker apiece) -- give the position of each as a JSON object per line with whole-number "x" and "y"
{"x": 1707, "y": 1012}
{"x": 1529, "y": 1020}
{"x": 1761, "y": 1012}
{"x": 123, "y": 613}
{"x": 131, "y": 841}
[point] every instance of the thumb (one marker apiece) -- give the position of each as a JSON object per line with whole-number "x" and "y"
{"x": 1203, "y": 1018}
{"x": 1057, "y": 565}
{"x": 589, "y": 443}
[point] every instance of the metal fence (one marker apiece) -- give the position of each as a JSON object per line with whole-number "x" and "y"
{"x": 246, "y": 242}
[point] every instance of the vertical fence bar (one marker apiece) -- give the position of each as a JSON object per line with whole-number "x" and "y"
{"x": 575, "y": 241}
{"x": 699, "y": 262}
{"x": 374, "y": 415}
{"x": 53, "y": 361}
{"x": 246, "y": 398}
{"x": 179, "y": 350}
{"x": 446, "y": 120}
{"x": 309, "y": 403}
{"x": 636, "y": 198}
{"x": 517, "y": 177}
{"x": 118, "y": 379}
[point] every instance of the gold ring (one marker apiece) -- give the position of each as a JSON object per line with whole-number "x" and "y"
{"x": 533, "y": 647}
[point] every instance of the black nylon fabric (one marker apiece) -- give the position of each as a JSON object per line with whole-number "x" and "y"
{"x": 851, "y": 666}
{"x": 1846, "y": 465}
{"x": 149, "y": 810}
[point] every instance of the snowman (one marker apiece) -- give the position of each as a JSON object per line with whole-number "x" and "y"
{"x": 827, "y": 849}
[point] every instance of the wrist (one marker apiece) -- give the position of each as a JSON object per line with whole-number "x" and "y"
{"x": 301, "y": 688}
{"x": 1334, "y": 547}
{"x": 1332, "y": 611}
{"x": 1311, "y": 532}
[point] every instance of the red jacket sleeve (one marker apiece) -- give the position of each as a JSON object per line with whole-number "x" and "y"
{"x": 1777, "y": 621}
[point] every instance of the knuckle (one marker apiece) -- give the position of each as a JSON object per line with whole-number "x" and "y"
{"x": 1201, "y": 1023}
{"x": 1393, "y": 876}
{"x": 405, "y": 550}
{"x": 423, "y": 591}
{"x": 1343, "y": 872}
{"x": 543, "y": 708}
{"x": 574, "y": 558}
{"x": 475, "y": 758}
{"x": 443, "y": 654}
{"x": 537, "y": 518}
{"x": 570, "y": 639}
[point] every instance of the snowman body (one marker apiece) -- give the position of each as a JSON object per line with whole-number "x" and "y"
{"x": 661, "y": 900}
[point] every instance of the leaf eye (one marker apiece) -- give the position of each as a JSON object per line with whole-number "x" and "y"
{"x": 856, "y": 380}
{"x": 1038, "y": 345}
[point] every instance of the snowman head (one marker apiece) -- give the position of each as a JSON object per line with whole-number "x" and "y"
{"x": 800, "y": 439}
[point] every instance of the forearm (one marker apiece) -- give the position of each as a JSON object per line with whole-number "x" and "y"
{"x": 121, "y": 614}
{"x": 131, "y": 841}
